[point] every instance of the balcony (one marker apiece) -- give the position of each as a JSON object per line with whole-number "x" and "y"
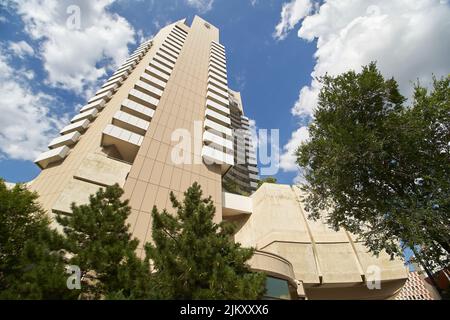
{"x": 127, "y": 66}
{"x": 208, "y": 124}
{"x": 219, "y": 99}
{"x": 165, "y": 63}
{"x": 217, "y": 90}
{"x": 111, "y": 87}
{"x": 165, "y": 57}
{"x": 253, "y": 176}
{"x": 79, "y": 126}
{"x": 252, "y": 161}
{"x": 219, "y": 57}
{"x": 218, "y": 45}
{"x": 252, "y": 168}
{"x": 178, "y": 33}
{"x": 105, "y": 95}
{"x": 218, "y": 67}
{"x": 171, "y": 48}
{"x": 122, "y": 75}
{"x": 137, "y": 109}
{"x": 51, "y": 156}
{"x": 217, "y": 117}
{"x": 99, "y": 104}
{"x": 218, "y": 84}
{"x": 153, "y": 81}
{"x": 136, "y": 55}
{"x": 217, "y": 61}
{"x": 216, "y": 141}
{"x": 120, "y": 71}
{"x": 156, "y": 73}
{"x": 217, "y": 71}
{"x": 233, "y": 204}
{"x": 218, "y": 77}
{"x": 169, "y": 54}
{"x": 161, "y": 67}
{"x": 65, "y": 140}
{"x": 148, "y": 89}
{"x": 117, "y": 81}
{"x": 173, "y": 43}
{"x": 216, "y": 53}
{"x": 176, "y": 40}
{"x": 214, "y": 156}
{"x": 143, "y": 98}
{"x": 178, "y": 37}
{"x": 210, "y": 104}
{"x": 131, "y": 123}
{"x": 126, "y": 142}
{"x": 90, "y": 115}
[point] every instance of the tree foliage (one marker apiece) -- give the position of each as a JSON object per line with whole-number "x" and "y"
{"x": 195, "y": 258}
{"x": 230, "y": 185}
{"x": 31, "y": 262}
{"x": 267, "y": 180}
{"x": 380, "y": 168}
{"x": 99, "y": 242}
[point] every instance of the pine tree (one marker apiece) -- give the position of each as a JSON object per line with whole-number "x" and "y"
{"x": 31, "y": 262}
{"x": 100, "y": 243}
{"x": 195, "y": 258}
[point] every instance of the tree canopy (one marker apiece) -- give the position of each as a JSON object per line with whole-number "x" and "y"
{"x": 380, "y": 168}
{"x": 195, "y": 258}
{"x": 98, "y": 240}
{"x": 31, "y": 261}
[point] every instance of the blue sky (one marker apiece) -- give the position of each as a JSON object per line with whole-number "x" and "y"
{"x": 273, "y": 48}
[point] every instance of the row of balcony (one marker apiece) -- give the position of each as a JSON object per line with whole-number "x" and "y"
{"x": 130, "y": 124}
{"x": 218, "y": 135}
{"x": 70, "y": 134}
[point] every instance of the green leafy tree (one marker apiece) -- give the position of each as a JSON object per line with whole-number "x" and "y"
{"x": 99, "y": 241}
{"x": 31, "y": 262}
{"x": 267, "y": 180}
{"x": 195, "y": 258}
{"x": 382, "y": 169}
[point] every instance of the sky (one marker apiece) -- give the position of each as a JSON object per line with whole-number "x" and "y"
{"x": 275, "y": 52}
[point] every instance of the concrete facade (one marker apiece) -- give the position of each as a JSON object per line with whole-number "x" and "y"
{"x": 329, "y": 264}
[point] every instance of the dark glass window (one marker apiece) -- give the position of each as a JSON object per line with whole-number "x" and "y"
{"x": 277, "y": 289}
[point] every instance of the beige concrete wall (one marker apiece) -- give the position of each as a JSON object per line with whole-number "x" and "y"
{"x": 321, "y": 257}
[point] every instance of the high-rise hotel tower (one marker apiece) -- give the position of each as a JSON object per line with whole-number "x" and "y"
{"x": 166, "y": 119}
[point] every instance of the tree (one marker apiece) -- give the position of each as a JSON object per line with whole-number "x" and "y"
{"x": 230, "y": 185}
{"x": 267, "y": 180}
{"x": 31, "y": 262}
{"x": 195, "y": 258}
{"x": 99, "y": 241}
{"x": 379, "y": 168}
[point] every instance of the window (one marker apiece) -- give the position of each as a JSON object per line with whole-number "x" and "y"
{"x": 277, "y": 289}
{"x": 207, "y": 25}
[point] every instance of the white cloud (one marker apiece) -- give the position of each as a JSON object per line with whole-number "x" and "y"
{"x": 21, "y": 48}
{"x": 291, "y": 13}
{"x": 201, "y": 5}
{"x": 407, "y": 38}
{"x": 26, "y": 122}
{"x": 288, "y": 158}
{"x": 76, "y": 50}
